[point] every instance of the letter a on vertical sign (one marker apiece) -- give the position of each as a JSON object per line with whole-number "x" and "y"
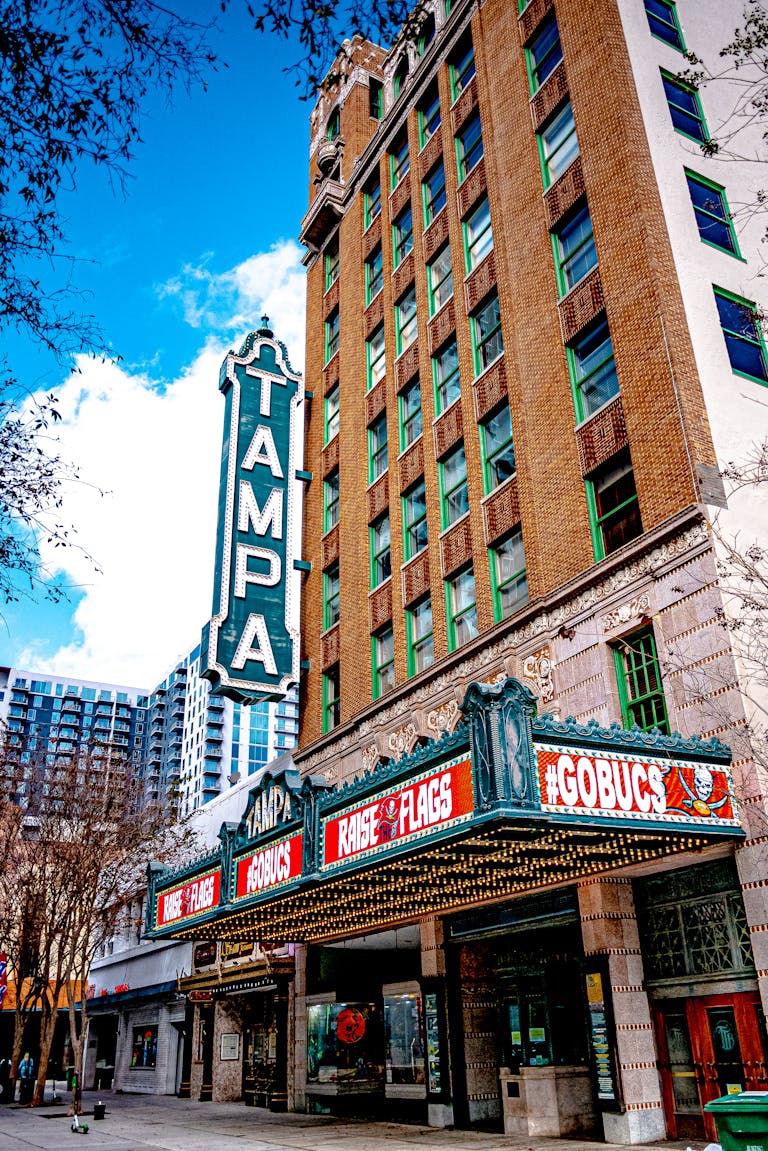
{"x": 250, "y": 648}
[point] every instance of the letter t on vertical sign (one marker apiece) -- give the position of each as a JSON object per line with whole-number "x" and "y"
{"x": 250, "y": 648}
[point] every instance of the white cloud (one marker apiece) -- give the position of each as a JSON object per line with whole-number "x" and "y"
{"x": 154, "y": 448}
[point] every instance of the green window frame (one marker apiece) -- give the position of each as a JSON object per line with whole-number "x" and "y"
{"x": 399, "y": 161}
{"x": 332, "y": 335}
{"x": 685, "y": 108}
{"x": 331, "y": 414}
{"x": 371, "y": 202}
{"x": 378, "y": 449}
{"x": 383, "y": 661}
{"x": 445, "y": 375}
{"x": 331, "y": 698}
{"x": 333, "y": 127}
{"x": 469, "y": 145}
{"x": 426, "y": 34}
{"x": 454, "y": 490}
{"x": 462, "y": 68}
{"x": 664, "y": 23}
{"x": 406, "y": 321}
{"x": 419, "y": 631}
{"x": 543, "y": 52}
{"x": 558, "y": 145}
{"x": 743, "y": 335}
{"x": 487, "y": 340}
{"x": 375, "y": 358}
{"x": 497, "y": 449}
{"x": 414, "y": 520}
{"x": 331, "y": 500}
{"x": 638, "y": 677}
{"x": 402, "y": 236}
{"x": 331, "y": 264}
{"x": 478, "y": 235}
{"x": 381, "y": 551}
{"x": 331, "y": 596}
{"x": 375, "y": 99}
{"x": 433, "y": 193}
{"x": 429, "y": 116}
{"x": 614, "y": 510}
{"x": 374, "y": 274}
{"x": 461, "y": 608}
{"x": 409, "y": 413}
{"x": 713, "y": 217}
{"x": 509, "y": 581}
{"x": 592, "y": 369}
{"x": 573, "y": 244}
{"x": 440, "y": 279}
{"x": 400, "y": 76}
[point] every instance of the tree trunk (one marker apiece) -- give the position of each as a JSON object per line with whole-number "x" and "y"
{"x": 47, "y": 1029}
{"x": 19, "y": 1027}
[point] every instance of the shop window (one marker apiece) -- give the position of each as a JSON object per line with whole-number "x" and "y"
{"x": 663, "y": 22}
{"x": 558, "y": 145}
{"x": 478, "y": 237}
{"x": 440, "y": 280}
{"x": 461, "y": 604}
{"x": 378, "y": 454}
{"x": 415, "y": 520}
{"x": 454, "y": 493}
{"x": 487, "y": 342}
{"x": 639, "y": 680}
{"x": 574, "y": 246}
{"x": 406, "y": 321}
{"x": 713, "y": 218}
{"x": 593, "y": 369}
{"x": 685, "y": 108}
{"x": 544, "y": 52}
{"x": 614, "y": 508}
{"x": 404, "y": 1038}
{"x": 381, "y": 552}
{"x": 375, "y": 358}
{"x": 498, "y": 449}
{"x": 383, "y": 661}
{"x": 743, "y": 335}
{"x": 409, "y": 404}
{"x": 469, "y": 146}
{"x": 402, "y": 237}
{"x": 429, "y": 116}
{"x": 331, "y": 698}
{"x": 508, "y": 575}
{"x": 461, "y": 68}
{"x": 344, "y": 1042}
{"x": 374, "y": 275}
{"x": 433, "y": 189}
{"x": 419, "y": 630}
{"x": 331, "y": 501}
{"x": 144, "y": 1050}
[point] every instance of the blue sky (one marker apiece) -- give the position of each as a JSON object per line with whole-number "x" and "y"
{"x": 177, "y": 271}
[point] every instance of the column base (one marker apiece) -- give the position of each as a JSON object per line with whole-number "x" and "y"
{"x": 647, "y": 1126}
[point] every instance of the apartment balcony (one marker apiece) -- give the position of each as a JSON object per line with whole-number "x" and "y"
{"x": 213, "y": 752}
{"x": 213, "y": 736}
{"x": 215, "y": 718}
{"x": 324, "y": 213}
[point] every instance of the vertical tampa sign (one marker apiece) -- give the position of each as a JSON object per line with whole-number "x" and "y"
{"x": 250, "y": 648}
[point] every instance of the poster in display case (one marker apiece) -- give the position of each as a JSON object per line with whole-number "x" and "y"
{"x": 344, "y": 1044}
{"x": 404, "y": 1039}
{"x": 432, "y": 1030}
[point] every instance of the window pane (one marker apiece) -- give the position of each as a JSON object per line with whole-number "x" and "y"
{"x": 331, "y": 414}
{"x": 374, "y": 275}
{"x": 743, "y": 338}
{"x": 422, "y": 641}
{"x": 434, "y": 193}
{"x": 662, "y": 20}
{"x": 712, "y": 218}
{"x": 415, "y": 520}
{"x": 462, "y": 70}
{"x": 440, "y": 279}
{"x": 406, "y": 321}
{"x": 381, "y": 556}
{"x": 684, "y": 109}
{"x": 499, "y": 448}
{"x": 377, "y": 365}
{"x": 545, "y": 52}
{"x": 644, "y": 694}
{"x": 463, "y": 610}
{"x": 559, "y": 144}
{"x": 331, "y": 501}
{"x": 377, "y": 442}
{"x": 511, "y": 579}
{"x": 616, "y": 504}
{"x": 576, "y": 246}
{"x": 594, "y": 369}
{"x": 401, "y": 162}
{"x": 384, "y": 661}
{"x": 331, "y": 596}
{"x": 470, "y": 145}
{"x": 479, "y": 237}
{"x": 403, "y": 236}
{"x": 372, "y": 203}
{"x": 453, "y": 473}
{"x": 410, "y": 414}
{"x": 447, "y": 382}
{"x": 429, "y": 118}
{"x": 487, "y": 333}
{"x": 332, "y": 335}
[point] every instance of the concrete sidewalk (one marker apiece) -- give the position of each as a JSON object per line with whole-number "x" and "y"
{"x": 165, "y": 1123}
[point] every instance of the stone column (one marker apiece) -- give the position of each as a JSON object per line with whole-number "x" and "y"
{"x": 297, "y": 1099}
{"x": 609, "y": 928}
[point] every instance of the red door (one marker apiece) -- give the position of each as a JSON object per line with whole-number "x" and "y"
{"x": 708, "y": 1047}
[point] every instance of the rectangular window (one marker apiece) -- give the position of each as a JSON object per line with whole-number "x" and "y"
{"x": 402, "y": 237}
{"x": 469, "y": 146}
{"x": 743, "y": 336}
{"x": 332, "y": 335}
{"x": 383, "y": 661}
{"x": 331, "y": 414}
{"x": 574, "y": 246}
{"x": 498, "y": 449}
{"x": 144, "y": 1052}
{"x": 558, "y": 146}
{"x": 331, "y": 698}
{"x": 377, "y": 448}
{"x": 543, "y": 53}
{"x": 454, "y": 494}
{"x": 409, "y": 403}
{"x": 433, "y": 189}
{"x": 478, "y": 237}
{"x": 331, "y": 501}
{"x": 406, "y": 321}
{"x": 371, "y": 202}
{"x": 713, "y": 219}
{"x": 421, "y": 643}
{"x": 614, "y": 506}
{"x": 445, "y": 370}
{"x": 510, "y": 583}
{"x": 685, "y": 108}
{"x": 429, "y": 117}
{"x": 415, "y": 520}
{"x": 399, "y": 161}
{"x": 381, "y": 552}
{"x": 331, "y": 608}
{"x": 374, "y": 275}
{"x": 593, "y": 369}
{"x": 462, "y": 68}
{"x": 375, "y": 357}
{"x": 331, "y": 264}
{"x": 639, "y": 680}
{"x": 375, "y": 99}
{"x": 487, "y": 344}
{"x": 440, "y": 280}
{"x": 462, "y": 608}
{"x": 663, "y": 22}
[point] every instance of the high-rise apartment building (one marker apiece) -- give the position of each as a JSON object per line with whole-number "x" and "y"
{"x": 533, "y": 342}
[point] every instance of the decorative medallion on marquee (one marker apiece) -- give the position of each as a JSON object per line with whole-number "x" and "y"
{"x": 250, "y": 648}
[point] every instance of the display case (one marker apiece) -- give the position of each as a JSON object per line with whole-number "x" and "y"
{"x": 404, "y": 1041}
{"x": 344, "y": 1048}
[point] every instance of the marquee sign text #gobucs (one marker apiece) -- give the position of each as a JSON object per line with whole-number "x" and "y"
{"x": 269, "y": 866}
{"x": 425, "y": 805}
{"x": 189, "y": 899}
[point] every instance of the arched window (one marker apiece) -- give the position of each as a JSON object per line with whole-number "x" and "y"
{"x": 401, "y": 73}
{"x": 334, "y": 125}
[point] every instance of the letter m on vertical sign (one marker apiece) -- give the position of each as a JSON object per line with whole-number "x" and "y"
{"x": 250, "y": 648}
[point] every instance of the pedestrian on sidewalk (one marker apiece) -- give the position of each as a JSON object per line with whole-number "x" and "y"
{"x": 26, "y": 1078}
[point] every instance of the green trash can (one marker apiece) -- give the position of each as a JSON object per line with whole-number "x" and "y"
{"x": 742, "y": 1120}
